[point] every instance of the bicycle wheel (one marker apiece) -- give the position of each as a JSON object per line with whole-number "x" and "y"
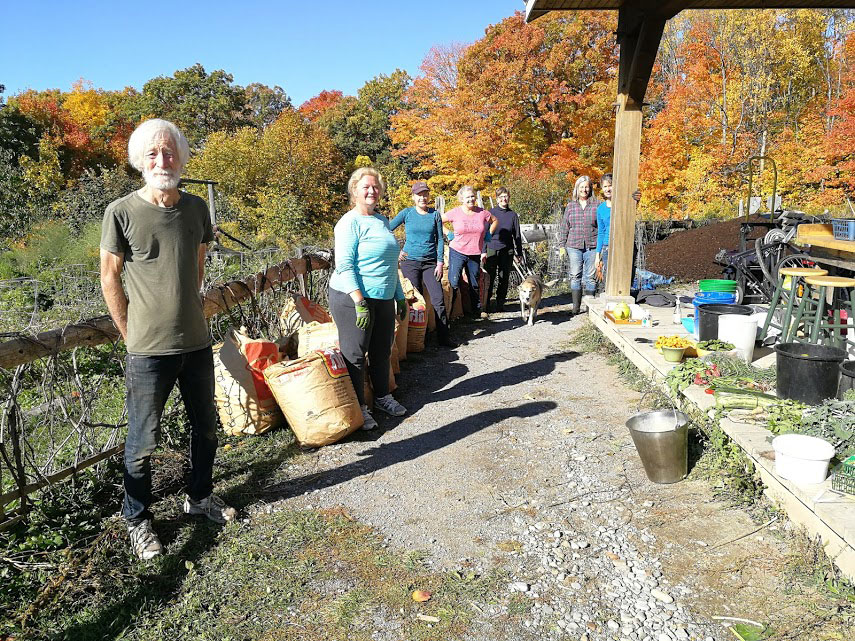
{"x": 793, "y": 260}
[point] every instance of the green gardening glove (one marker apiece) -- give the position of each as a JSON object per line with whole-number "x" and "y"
{"x": 363, "y": 315}
{"x": 401, "y": 309}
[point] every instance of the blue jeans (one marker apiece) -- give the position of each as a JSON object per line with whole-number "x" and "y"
{"x": 604, "y": 257}
{"x": 149, "y": 381}
{"x": 456, "y": 264}
{"x": 582, "y": 269}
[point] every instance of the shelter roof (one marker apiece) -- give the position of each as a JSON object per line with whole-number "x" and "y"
{"x": 536, "y": 8}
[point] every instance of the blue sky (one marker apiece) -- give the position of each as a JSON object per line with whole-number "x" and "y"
{"x": 302, "y": 46}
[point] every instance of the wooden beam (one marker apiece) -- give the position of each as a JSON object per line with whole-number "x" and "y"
{"x": 99, "y": 330}
{"x": 639, "y": 33}
{"x": 625, "y": 171}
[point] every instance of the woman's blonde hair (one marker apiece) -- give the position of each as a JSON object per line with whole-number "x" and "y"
{"x": 358, "y": 175}
{"x": 581, "y": 180}
{"x": 464, "y": 190}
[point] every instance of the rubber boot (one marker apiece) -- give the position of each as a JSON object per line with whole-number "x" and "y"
{"x": 577, "y": 300}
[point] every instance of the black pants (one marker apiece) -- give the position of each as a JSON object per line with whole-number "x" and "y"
{"x": 149, "y": 381}
{"x": 499, "y": 264}
{"x": 421, "y": 274}
{"x": 375, "y": 341}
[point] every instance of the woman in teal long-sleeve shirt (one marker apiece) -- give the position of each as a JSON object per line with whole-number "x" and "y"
{"x": 604, "y": 221}
{"x": 365, "y": 292}
{"x": 423, "y": 253}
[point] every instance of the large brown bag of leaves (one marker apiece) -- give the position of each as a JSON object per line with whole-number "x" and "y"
{"x": 401, "y": 327}
{"x": 394, "y": 362}
{"x": 244, "y": 401}
{"x": 299, "y": 310}
{"x": 317, "y": 397}
{"x": 431, "y": 314}
{"x": 417, "y": 325}
{"x": 314, "y": 336}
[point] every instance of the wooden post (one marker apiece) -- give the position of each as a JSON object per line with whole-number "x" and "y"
{"x": 640, "y": 27}
{"x": 622, "y": 230}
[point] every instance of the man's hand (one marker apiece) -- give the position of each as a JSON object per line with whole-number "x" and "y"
{"x": 562, "y": 252}
{"x": 437, "y": 271}
{"x": 363, "y": 315}
{"x": 401, "y": 309}
{"x": 483, "y": 260}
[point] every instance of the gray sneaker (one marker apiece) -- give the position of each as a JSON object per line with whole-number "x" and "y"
{"x": 213, "y": 507}
{"x": 389, "y": 405}
{"x": 144, "y": 541}
{"x": 368, "y": 422}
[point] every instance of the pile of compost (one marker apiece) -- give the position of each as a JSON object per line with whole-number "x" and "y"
{"x": 690, "y": 255}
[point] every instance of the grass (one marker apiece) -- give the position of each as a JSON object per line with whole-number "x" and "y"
{"x": 289, "y": 574}
{"x": 292, "y": 574}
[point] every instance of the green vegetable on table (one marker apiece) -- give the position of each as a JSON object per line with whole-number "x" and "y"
{"x": 715, "y": 345}
{"x": 731, "y": 398}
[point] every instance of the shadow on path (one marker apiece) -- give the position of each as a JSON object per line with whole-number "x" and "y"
{"x": 386, "y": 454}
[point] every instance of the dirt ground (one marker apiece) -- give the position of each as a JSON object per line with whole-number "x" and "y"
{"x": 515, "y": 432}
{"x": 690, "y": 255}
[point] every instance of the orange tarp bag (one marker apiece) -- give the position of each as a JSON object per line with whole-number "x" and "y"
{"x": 244, "y": 401}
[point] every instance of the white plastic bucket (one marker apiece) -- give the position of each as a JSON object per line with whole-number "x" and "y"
{"x": 802, "y": 459}
{"x": 741, "y": 331}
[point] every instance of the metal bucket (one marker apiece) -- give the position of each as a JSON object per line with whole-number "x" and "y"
{"x": 662, "y": 441}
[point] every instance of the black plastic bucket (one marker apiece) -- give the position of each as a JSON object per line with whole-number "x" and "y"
{"x": 708, "y": 318}
{"x": 847, "y": 378}
{"x": 808, "y": 373}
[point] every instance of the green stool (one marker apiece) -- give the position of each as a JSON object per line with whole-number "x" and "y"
{"x": 819, "y": 292}
{"x": 796, "y": 276}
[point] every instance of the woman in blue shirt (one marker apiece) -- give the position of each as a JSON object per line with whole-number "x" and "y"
{"x": 365, "y": 292}
{"x": 604, "y": 219}
{"x": 422, "y": 256}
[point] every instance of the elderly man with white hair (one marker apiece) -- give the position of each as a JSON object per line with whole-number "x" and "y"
{"x": 158, "y": 236}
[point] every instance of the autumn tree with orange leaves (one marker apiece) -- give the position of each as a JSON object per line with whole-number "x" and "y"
{"x": 523, "y": 94}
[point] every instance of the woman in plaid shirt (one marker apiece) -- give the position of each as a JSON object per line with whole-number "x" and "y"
{"x": 577, "y": 237}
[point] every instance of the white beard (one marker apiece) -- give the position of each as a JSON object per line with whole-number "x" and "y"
{"x": 162, "y": 179}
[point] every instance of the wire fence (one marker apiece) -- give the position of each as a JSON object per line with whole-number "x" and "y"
{"x": 65, "y": 411}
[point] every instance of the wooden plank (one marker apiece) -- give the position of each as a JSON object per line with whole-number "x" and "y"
{"x": 99, "y": 330}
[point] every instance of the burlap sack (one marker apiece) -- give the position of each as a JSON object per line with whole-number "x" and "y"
{"x": 401, "y": 328}
{"x": 317, "y": 397}
{"x": 417, "y": 325}
{"x": 368, "y": 393}
{"x": 244, "y": 402}
{"x": 431, "y": 314}
{"x": 314, "y": 336}
{"x": 448, "y": 294}
{"x": 394, "y": 362}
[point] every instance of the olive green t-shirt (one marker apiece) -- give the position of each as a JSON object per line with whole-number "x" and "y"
{"x": 160, "y": 246}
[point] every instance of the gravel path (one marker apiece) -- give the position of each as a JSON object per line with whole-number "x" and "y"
{"x": 514, "y": 453}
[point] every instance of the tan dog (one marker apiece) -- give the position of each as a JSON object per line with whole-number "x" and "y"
{"x": 530, "y": 291}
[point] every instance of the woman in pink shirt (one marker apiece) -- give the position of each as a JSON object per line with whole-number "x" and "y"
{"x": 468, "y": 248}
